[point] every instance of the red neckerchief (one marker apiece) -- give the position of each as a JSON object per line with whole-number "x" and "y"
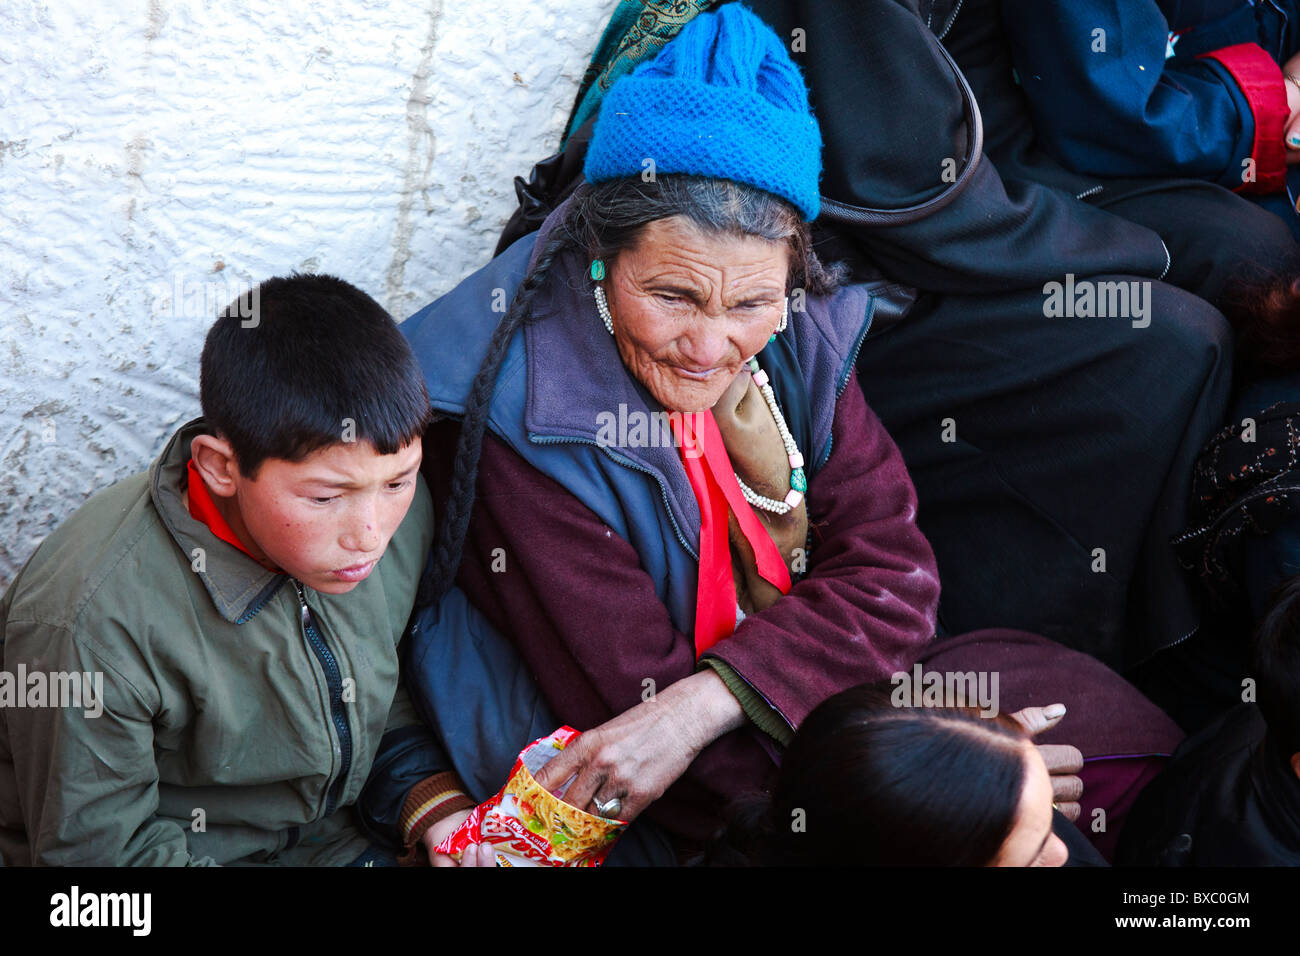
{"x": 714, "y": 482}
{"x": 203, "y": 508}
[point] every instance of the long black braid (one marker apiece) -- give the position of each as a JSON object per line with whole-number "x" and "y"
{"x": 441, "y": 573}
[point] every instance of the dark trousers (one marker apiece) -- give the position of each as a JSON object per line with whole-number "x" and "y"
{"x": 1052, "y": 459}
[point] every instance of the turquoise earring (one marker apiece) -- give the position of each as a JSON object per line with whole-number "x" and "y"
{"x": 785, "y": 320}
{"x": 598, "y": 273}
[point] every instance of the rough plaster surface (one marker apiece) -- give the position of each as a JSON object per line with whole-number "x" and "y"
{"x": 157, "y": 147}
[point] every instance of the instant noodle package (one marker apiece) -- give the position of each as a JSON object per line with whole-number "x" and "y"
{"x": 530, "y": 826}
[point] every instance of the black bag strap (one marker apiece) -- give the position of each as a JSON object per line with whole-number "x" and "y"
{"x": 843, "y": 212}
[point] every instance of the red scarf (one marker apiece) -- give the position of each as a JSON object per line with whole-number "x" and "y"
{"x": 203, "y": 508}
{"x": 714, "y": 482}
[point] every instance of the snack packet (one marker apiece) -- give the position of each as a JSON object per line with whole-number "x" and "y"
{"x": 530, "y": 826}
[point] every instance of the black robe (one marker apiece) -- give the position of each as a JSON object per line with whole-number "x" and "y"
{"x": 1227, "y": 798}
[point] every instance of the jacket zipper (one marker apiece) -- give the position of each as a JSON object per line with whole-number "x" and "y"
{"x": 1169, "y": 261}
{"x": 851, "y": 364}
{"x": 334, "y": 682}
{"x": 251, "y": 611}
{"x": 848, "y": 370}
{"x": 951, "y": 17}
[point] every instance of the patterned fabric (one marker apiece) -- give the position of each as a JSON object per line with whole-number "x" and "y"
{"x": 1241, "y": 488}
{"x": 637, "y": 30}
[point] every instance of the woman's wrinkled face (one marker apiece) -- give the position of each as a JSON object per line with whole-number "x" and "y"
{"x": 1031, "y": 841}
{"x": 691, "y": 307}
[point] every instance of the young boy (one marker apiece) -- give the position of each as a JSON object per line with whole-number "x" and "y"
{"x": 202, "y": 661}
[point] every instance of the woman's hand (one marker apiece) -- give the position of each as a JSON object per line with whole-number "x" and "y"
{"x": 1063, "y": 761}
{"x": 641, "y": 753}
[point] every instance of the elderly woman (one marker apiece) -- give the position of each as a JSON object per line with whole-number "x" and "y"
{"x": 685, "y": 587}
{"x": 669, "y": 518}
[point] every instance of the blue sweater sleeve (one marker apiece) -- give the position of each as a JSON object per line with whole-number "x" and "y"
{"x": 1105, "y": 100}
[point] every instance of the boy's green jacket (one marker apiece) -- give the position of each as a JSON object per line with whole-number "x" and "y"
{"x": 209, "y": 728}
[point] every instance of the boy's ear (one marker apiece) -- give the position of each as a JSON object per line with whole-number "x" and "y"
{"x": 1295, "y": 764}
{"x": 214, "y": 460}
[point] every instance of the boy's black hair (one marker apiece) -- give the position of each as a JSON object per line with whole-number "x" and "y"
{"x": 1277, "y": 667}
{"x": 307, "y": 361}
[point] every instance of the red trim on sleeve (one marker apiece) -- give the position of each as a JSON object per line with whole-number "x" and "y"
{"x": 1261, "y": 82}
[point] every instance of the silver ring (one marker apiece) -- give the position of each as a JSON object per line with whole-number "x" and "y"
{"x": 609, "y": 808}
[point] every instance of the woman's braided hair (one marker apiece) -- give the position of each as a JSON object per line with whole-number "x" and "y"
{"x": 603, "y": 220}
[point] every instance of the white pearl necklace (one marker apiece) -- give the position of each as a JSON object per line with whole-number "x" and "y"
{"x": 798, "y": 482}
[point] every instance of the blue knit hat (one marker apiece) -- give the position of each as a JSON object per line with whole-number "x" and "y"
{"x": 722, "y": 99}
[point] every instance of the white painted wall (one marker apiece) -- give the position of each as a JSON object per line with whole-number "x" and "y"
{"x": 151, "y": 144}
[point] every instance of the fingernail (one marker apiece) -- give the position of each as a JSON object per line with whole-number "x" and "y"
{"x": 1294, "y": 139}
{"x": 1052, "y": 711}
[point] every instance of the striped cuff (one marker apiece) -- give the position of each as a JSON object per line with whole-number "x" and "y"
{"x": 432, "y": 799}
{"x": 754, "y": 704}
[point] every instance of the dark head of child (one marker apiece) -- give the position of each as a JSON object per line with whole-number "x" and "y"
{"x": 316, "y": 407}
{"x": 1277, "y": 673}
{"x": 864, "y": 782}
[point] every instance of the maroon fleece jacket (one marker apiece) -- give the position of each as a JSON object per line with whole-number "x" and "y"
{"x": 582, "y": 611}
